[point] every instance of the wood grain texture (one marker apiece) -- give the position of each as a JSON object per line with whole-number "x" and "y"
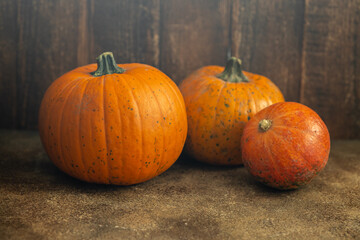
{"x": 42, "y": 40}
{"x": 356, "y": 114}
{"x": 193, "y": 34}
{"x": 309, "y": 48}
{"x": 130, "y": 29}
{"x": 46, "y": 43}
{"x": 267, "y": 36}
{"x": 329, "y": 82}
{"x": 8, "y": 12}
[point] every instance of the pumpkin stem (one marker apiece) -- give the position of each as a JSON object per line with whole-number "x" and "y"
{"x": 233, "y": 71}
{"x": 265, "y": 124}
{"x": 106, "y": 65}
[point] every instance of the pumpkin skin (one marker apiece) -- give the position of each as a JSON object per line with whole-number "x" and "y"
{"x": 285, "y": 145}
{"x": 218, "y": 110}
{"x": 118, "y": 128}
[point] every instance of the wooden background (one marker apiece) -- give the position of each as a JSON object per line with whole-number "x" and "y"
{"x": 309, "y": 48}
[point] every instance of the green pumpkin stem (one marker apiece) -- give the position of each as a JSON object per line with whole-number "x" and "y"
{"x": 233, "y": 71}
{"x": 106, "y": 65}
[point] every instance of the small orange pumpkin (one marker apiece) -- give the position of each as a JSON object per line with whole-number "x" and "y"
{"x": 285, "y": 145}
{"x": 219, "y": 103}
{"x": 113, "y": 124}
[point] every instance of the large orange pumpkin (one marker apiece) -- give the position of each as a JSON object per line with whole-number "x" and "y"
{"x": 219, "y": 103}
{"x": 113, "y": 124}
{"x": 285, "y": 145}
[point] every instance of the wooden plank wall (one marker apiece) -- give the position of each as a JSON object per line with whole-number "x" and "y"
{"x": 309, "y": 48}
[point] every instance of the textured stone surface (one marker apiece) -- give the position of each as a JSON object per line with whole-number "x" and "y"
{"x": 189, "y": 201}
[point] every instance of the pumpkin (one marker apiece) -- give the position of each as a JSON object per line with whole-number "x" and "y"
{"x": 113, "y": 124}
{"x": 219, "y": 102}
{"x": 285, "y": 145}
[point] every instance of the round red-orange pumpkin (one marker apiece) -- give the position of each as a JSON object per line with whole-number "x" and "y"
{"x": 219, "y": 103}
{"x": 285, "y": 145}
{"x": 113, "y": 124}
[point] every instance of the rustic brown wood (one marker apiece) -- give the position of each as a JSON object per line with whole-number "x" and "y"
{"x": 309, "y": 48}
{"x": 267, "y": 36}
{"x": 47, "y": 38}
{"x": 41, "y": 40}
{"x": 328, "y": 84}
{"x": 130, "y": 29}
{"x": 8, "y": 63}
{"x": 193, "y": 34}
{"x": 356, "y": 114}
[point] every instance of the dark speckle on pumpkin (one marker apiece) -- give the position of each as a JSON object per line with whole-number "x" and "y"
{"x": 227, "y": 105}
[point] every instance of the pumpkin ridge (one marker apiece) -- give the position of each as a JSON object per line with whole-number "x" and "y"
{"x": 236, "y": 107}
{"x": 302, "y": 153}
{"x": 196, "y": 125}
{"x": 268, "y": 102}
{"x": 162, "y": 115}
{"x": 272, "y": 159}
{"x": 79, "y": 134}
{"x": 138, "y": 112}
{"x": 143, "y": 82}
{"x": 269, "y": 112}
{"x": 287, "y": 149}
{"x": 178, "y": 123}
{"x": 119, "y": 116}
{"x": 251, "y": 97}
{"x": 106, "y": 133}
{"x": 60, "y": 126}
{"x": 69, "y": 84}
{"x": 270, "y": 86}
{"x": 284, "y": 114}
{"x": 294, "y": 128}
{"x": 181, "y": 102}
{"x": 217, "y": 102}
{"x": 174, "y": 91}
